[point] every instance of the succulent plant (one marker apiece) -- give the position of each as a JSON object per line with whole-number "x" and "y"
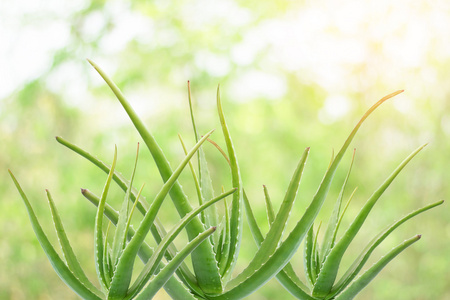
{"x": 214, "y": 256}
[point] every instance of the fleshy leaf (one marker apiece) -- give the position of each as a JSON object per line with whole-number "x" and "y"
{"x": 271, "y": 241}
{"x": 71, "y": 259}
{"x": 203, "y": 258}
{"x": 207, "y": 191}
{"x": 160, "y": 279}
{"x": 287, "y": 249}
{"x": 174, "y": 287}
{"x": 362, "y": 281}
{"x": 307, "y": 256}
{"x": 331, "y": 264}
{"x": 152, "y": 265}
{"x": 57, "y": 263}
{"x": 330, "y": 233}
{"x": 236, "y": 215}
{"x": 98, "y": 241}
{"x": 287, "y": 276}
{"x": 351, "y": 273}
{"x": 269, "y": 207}
{"x": 124, "y": 269}
{"x": 124, "y": 219}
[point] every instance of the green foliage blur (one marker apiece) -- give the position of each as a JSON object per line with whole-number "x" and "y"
{"x": 292, "y": 74}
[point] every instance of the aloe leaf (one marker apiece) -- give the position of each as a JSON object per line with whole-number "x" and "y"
{"x": 333, "y": 242}
{"x": 270, "y": 243}
{"x": 161, "y": 278}
{"x": 152, "y": 265}
{"x": 331, "y": 264}
{"x": 140, "y": 203}
{"x": 133, "y": 208}
{"x": 307, "y": 256}
{"x": 236, "y": 217}
{"x": 194, "y": 175}
{"x": 124, "y": 269}
{"x": 221, "y": 151}
{"x": 330, "y": 233}
{"x": 71, "y": 259}
{"x": 118, "y": 178}
{"x": 207, "y": 191}
{"x": 57, "y": 263}
{"x": 269, "y": 206}
{"x": 254, "y": 227}
{"x": 332, "y": 158}
{"x": 362, "y": 281}
{"x": 191, "y": 111}
{"x": 287, "y": 276}
{"x": 98, "y": 229}
{"x": 174, "y": 287}
{"x": 124, "y": 219}
{"x": 145, "y": 251}
{"x": 287, "y": 249}
{"x": 354, "y": 269}
{"x": 183, "y": 271}
{"x": 107, "y": 262}
{"x": 203, "y": 258}
{"x": 204, "y": 189}
{"x": 226, "y": 241}
{"x": 315, "y": 264}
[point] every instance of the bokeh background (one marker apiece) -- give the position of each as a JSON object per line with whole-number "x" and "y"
{"x": 292, "y": 74}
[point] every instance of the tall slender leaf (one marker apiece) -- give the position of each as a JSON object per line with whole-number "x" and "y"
{"x": 203, "y": 258}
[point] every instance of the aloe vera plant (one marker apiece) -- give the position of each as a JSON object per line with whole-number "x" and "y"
{"x": 213, "y": 254}
{"x": 114, "y": 260}
{"x": 321, "y": 264}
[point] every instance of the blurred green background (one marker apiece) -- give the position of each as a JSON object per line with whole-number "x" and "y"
{"x": 292, "y": 74}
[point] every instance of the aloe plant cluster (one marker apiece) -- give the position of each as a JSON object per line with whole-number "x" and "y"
{"x": 214, "y": 241}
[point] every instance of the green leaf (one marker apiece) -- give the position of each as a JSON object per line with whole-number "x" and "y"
{"x": 124, "y": 219}
{"x": 354, "y": 269}
{"x": 333, "y": 242}
{"x": 236, "y": 217}
{"x": 71, "y": 259}
{"x": 124, "y": 269}
{"x": 57, "y": 263}
{"x": 194, "y": 175}
{"x": 270, "y": 243}
{"x": 307, "y": 256}
{"x": 372, "y": 272}
{"x": 315, "y": 263}
{"x": 120, "y": 181}
{"x": 287, "y": 276}
{"x": 331, "y": 264}
{"x": 203, "y": 258}
{"x": 161, "y": 278}
{"x": 107, "y": 261}
{"x": 118, "y": 178}
{"x": 287, "y": 249}
{"x": 269, "y": 207}
{"x": 98, "y": 241}
{"x": 173, "y": 287}
{"x": 330, "y": 233}
{"x": 226, "y": 241}
{"x": 152, "y": 265}
{"x": 207, "y": 192}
